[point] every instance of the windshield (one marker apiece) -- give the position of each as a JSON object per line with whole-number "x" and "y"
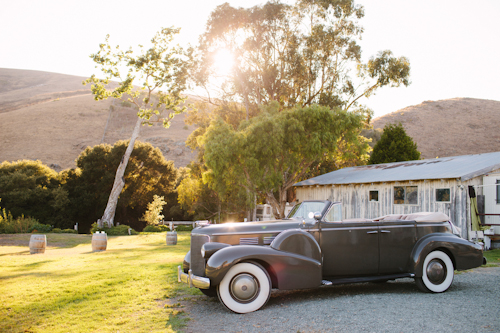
{"x": 305, "y": 210}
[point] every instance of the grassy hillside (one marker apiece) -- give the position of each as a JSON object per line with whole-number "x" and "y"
{"x": 53, "y": 117}
{"x": 452, "y": 127}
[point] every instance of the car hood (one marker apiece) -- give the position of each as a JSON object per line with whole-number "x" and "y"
{"x": 248, "y": 227}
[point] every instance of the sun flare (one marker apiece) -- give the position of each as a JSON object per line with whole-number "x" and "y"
{"x": 223, "y": 62}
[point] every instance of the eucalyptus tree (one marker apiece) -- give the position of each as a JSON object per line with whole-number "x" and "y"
{"x": 162, "y": 72}
{"x": 301, "y": 54}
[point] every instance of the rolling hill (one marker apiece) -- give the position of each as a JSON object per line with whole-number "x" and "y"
{"x": 452, "y": 127}
{"x": 53, "y": 118}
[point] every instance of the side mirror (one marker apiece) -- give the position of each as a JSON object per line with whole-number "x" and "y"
{"x": 317, "y": 216}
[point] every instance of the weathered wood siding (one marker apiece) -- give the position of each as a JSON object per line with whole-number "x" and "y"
{"x": 356, "y": 204}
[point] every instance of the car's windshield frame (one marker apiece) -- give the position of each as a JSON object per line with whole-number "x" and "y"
{"x": 303, "y": 210}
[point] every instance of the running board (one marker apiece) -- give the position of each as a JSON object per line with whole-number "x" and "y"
{"x": 365, "y": 279}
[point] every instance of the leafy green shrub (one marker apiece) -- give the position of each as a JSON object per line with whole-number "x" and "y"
{"x": 153, "y": 214}
{"x": 39, "y": 227}
{"x": 57, "y": 230}
{"x": 164, "y": 228}
{"x": 119, "y": 230}
{"x": 68, "y": 231}
{"x": 184, "y": 228}
{"x": 11, "y": 225}
{"x": 152, "y": 228}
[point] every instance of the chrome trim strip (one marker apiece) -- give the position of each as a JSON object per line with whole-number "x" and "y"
{"x": 249, "y": 233}
{"x": 192, "y": 280}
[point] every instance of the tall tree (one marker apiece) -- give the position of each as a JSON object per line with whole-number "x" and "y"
{"x": 147, "y": 174}
{"x": 271, "y": 152}
{"x": 301, "y": 54}
{"x": 394, "y": 146}
{"x": 162, "y": 72}
{"x": 33, "y": 189}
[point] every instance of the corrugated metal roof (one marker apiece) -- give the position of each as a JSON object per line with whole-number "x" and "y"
{"x": 457, "y": 167}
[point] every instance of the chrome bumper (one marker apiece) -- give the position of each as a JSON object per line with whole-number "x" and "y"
{"x": 192, "y": 280}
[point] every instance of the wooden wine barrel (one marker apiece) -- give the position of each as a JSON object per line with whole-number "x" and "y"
{"x": 171, "y": 238}
{"x": 99, "y": 241}
{"x": 38, "y": 244}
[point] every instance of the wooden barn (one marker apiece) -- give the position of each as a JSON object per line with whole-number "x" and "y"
{"x": 433, "y": 185}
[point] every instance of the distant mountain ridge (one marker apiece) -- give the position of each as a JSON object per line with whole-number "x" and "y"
{"x": 53, "y": 117}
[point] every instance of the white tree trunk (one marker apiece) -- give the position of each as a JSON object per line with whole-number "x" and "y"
{"x": 109, "y": 213}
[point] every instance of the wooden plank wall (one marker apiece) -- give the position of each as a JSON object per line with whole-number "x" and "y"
{"x": 356, "y": 204}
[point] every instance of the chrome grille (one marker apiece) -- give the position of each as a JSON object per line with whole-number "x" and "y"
{"x": 249, "y": 241}
{"x": 269, "y": 240}
{"x": 197, "y": 261}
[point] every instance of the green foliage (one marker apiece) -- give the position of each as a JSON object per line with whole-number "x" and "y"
{"x": 271, "y": 152}
{"x": 153, "y": 214}
{"x": 119, "y": 230}
{"x": 156, "y": 228}
{"x": 161, "y": 69}
{"x": 394, "y": 146}
{"x": 300, "y": 54}
{"x": 31, "y": 188}
{"x": 18, "y": 225}
{"x": 64, "y": 231}
{"x": 40, "y": 227}
{"x": 152, "y": 228}
{"x": 147, "y": 174}
{"x": 184, "y": 228}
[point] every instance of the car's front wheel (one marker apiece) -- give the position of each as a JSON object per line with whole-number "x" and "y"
{"x": 437, "y": 273}
{"x": 245, "y": 288}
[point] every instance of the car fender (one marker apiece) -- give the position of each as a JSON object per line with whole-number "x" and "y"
{"x": 186, "y": 264}
{"x": 463, "y": 254}
{"x": 287, "y": 270}
{"x": 299, "y": 242}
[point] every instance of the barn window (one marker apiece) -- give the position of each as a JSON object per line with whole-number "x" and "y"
{"x": 443, "y": 195}
{"x": 406, "y": 195}
{"x": 373, "y": 195}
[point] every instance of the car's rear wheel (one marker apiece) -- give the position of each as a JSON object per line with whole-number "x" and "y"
{"x": 437, "y": 273}
{"x": 245, "y": 288}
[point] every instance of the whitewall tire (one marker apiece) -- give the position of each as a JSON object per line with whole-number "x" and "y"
{"x": 246, "y": 287}
{"x": 437, "y": 273}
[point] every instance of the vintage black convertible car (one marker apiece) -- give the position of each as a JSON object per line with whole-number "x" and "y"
{"x": 241, "y": 262}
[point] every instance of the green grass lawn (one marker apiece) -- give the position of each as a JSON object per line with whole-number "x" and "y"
{"x": 492, "y": 257}
{"x": 69, "y": 288}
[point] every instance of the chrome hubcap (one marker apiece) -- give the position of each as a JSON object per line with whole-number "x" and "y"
{"x": 244, "y": 288}
{"x": 436, "y": 271}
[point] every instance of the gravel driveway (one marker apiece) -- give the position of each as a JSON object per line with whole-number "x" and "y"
{"x": 472, "y": 304}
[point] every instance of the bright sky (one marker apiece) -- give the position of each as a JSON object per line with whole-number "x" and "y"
{"x": 453, "y": 45}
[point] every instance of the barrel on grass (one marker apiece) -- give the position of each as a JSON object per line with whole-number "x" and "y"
{"x": 171, "y": 238}
{"x": 38, "y": 244}
{"x": 99, "y": 241}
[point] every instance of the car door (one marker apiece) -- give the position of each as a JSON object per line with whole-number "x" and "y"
{"x": 349, "y": 248}
{"x": 396, "y": 241}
